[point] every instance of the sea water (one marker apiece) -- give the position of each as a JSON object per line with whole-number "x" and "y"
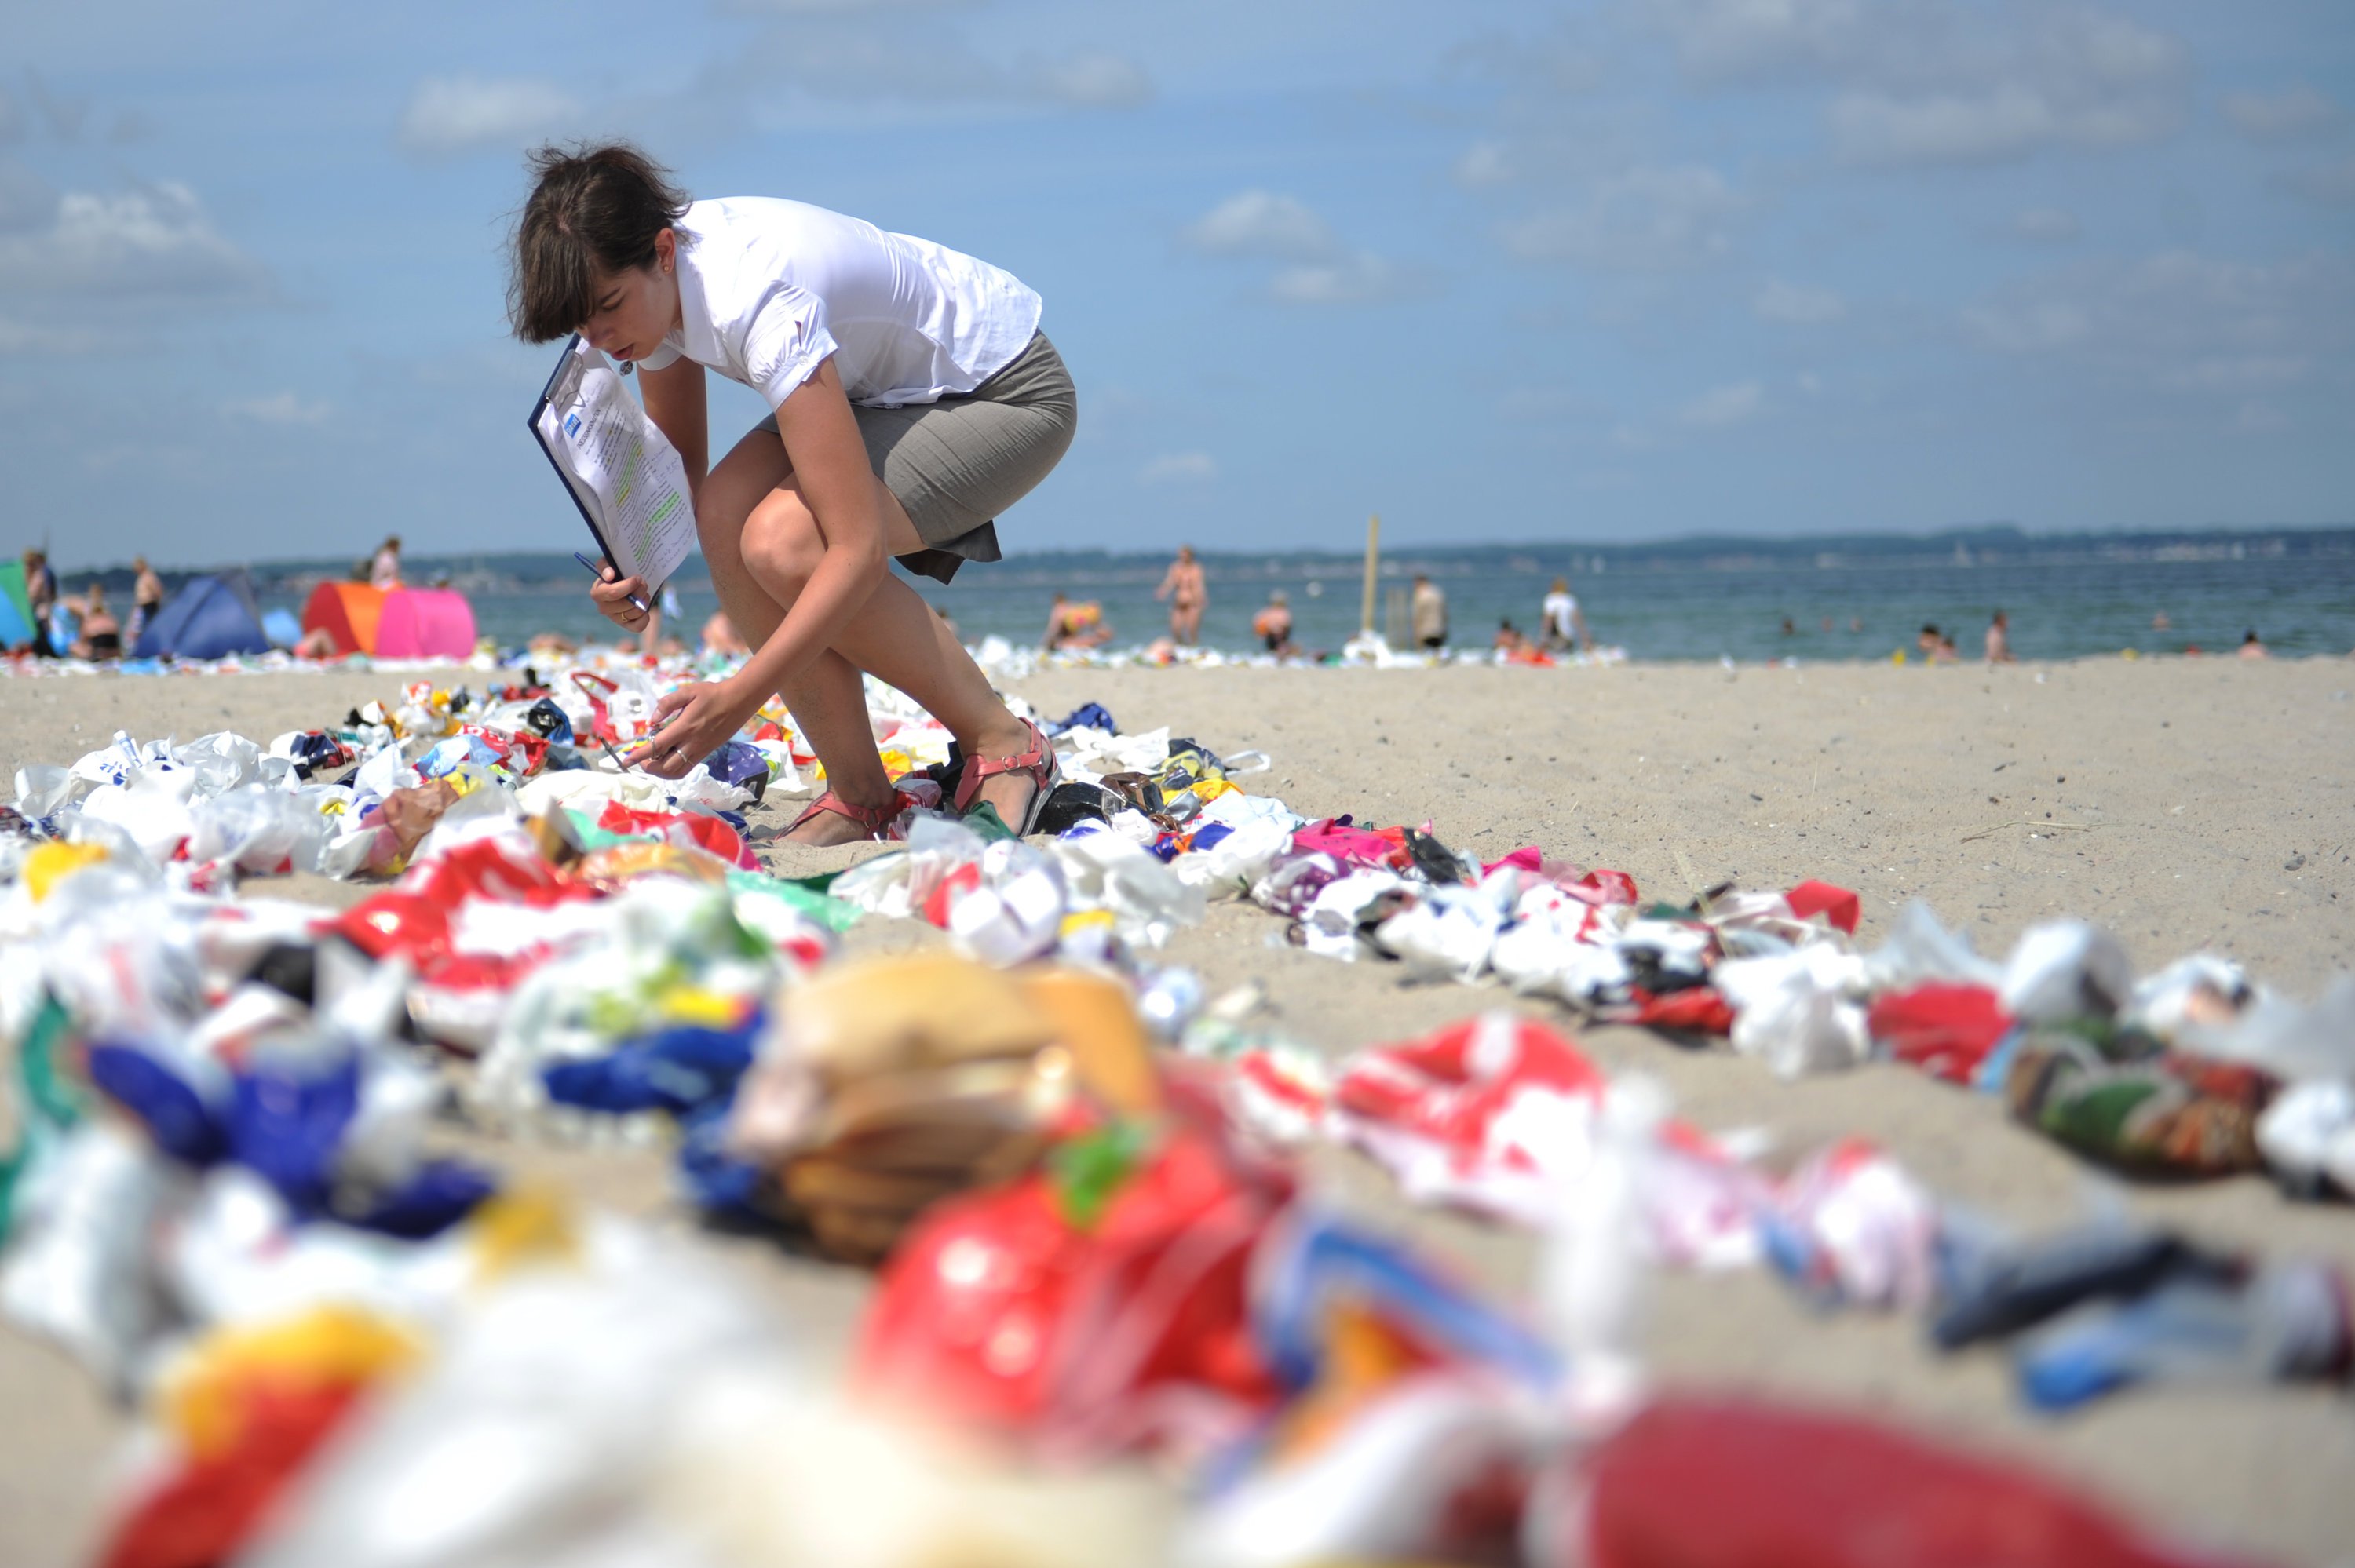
{"x": 1737, "y": 608}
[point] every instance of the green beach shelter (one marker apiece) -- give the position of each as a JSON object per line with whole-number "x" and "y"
{"x": 15, "y": 606}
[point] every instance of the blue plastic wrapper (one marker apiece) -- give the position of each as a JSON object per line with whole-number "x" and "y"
{"x": 286, "y": 1126}
{"x": 441, "y": 1193}
{"x": 677, "y": 1071}
{"x": 177, "y": 1117}
{"x": 741, "y": 763}
{"x": 447, "y": 757}
{"x": 548, "y": 722}
{"x": 1087, "y": 715}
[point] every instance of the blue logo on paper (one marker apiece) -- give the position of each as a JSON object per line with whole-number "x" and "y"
{"x": 571, "y": 424}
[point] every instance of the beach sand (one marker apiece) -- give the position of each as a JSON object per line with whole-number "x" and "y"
{"x": 2177, "y": 795}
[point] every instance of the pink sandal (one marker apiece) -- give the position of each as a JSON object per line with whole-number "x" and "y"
{"x": 1038, "y": 762}
{"x": 877, "y": 821}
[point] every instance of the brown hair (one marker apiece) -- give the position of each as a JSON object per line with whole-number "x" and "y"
{"x": 591, "y": 209}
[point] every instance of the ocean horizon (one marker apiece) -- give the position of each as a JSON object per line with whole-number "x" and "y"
{"x": 1830, "y": 597}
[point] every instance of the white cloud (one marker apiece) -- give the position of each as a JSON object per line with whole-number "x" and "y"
{"x": 450, "y": 115}
{"x": 1363, "y": 278}
{"x": 1266, "y": 225}
{"x": 155, "y": 242}
{"x": 1261, "y": 223}
{"x": 1734, "y": 39}
{"x": 1485, "y": 163}
{"x": 1179, "y": 468}
{"x": 1723, "y": 408}
{"x": 2184, "y": 321}
{"x": 2295, "y": 112}
{"x": 1094, "y": 81}
{"x": 1939, "y": 81}
{"x": 1645, "y": 219}
{"x": 1790, "y": 303}
{"x": 280, "y": 408}
{"x": 2045, "y": 225}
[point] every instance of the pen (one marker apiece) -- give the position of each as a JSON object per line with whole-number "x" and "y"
{"x": 597, "y": 571}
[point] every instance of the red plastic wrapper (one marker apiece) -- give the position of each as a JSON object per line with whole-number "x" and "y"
{"x": 710, "y": 834}
{"x": 1711, "y": 1483}
{"x": 1698, "y": 1009}
{"x": 1837, "y": 906}
{"x": 206, "y": 1512}
{"x": 1104, "y": 1330}
{"x": 1944, "y": 1029}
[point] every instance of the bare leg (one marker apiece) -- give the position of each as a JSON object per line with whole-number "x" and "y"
{"x": 761, "y": 542}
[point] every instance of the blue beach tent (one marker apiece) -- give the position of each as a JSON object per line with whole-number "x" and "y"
{"x": 16, "y": 608}
{"x": 209, "y": 618}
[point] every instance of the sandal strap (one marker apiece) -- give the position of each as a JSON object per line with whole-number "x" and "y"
{"x": 1037, "y": 762}
{"x": 876, "y": 820}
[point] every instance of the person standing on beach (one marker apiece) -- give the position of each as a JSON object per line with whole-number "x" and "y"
{"x": 914, "y": 399}
{"x": 1429, "y": 609}
{"x": 41, "y": 593}
{"x": 1187, "y": 595}
{"x": 384, "y": 568}
{"x": 1999, "y": 639}
{"x": 146, "y": 599}
{"x": 1562, "y": 621}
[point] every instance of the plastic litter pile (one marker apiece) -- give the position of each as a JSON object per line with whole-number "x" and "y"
{"x": 239, "y": 1191}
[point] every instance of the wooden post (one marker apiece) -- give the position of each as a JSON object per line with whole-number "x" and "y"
{"x": 1373, "y": 562}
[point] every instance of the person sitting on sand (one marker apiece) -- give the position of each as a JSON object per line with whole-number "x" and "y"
{"x": 1079, "y": 625}
{"x": 1999, "y": 639}
{"x": 2253, "y": 649}
{"x": 1563, "y": 622}
{"x": 1927, "y": 643}
{"x": 719, "y": 636}
{"x": 1945, "y": 652}
{"x": 547, "y": 647}
{"x": 317, "y": 643}
{"x": 1509, "y": 637}
{"x": 915, "y": 400}
{"x": 1187, "y": 595}
{"x": 1272, "y": 624}
{"x": 102, "y": 634}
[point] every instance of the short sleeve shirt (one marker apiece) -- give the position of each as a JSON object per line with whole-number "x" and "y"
{"x": 768, "y": 290}
{"x": 1559, "y": 608}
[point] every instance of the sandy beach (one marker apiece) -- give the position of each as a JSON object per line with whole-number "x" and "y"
{"x": 2186, "y": 805}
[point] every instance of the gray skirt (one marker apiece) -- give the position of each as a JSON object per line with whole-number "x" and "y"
{"x": 956, "y": 464}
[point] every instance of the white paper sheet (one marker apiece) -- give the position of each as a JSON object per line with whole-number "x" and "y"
{"x": 623, "y": 472}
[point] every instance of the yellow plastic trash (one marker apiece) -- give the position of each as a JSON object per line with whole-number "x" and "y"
{"x": 51, "y": 863}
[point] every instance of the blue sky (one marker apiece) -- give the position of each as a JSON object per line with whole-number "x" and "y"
{"x": 1502, "y": 271}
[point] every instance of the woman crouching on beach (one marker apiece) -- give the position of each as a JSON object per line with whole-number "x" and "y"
{"x": 915, "y": 399}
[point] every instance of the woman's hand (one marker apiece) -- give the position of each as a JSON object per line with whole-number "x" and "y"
{"x": 613, "y": 595}
{"x": 690, "y": 724}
